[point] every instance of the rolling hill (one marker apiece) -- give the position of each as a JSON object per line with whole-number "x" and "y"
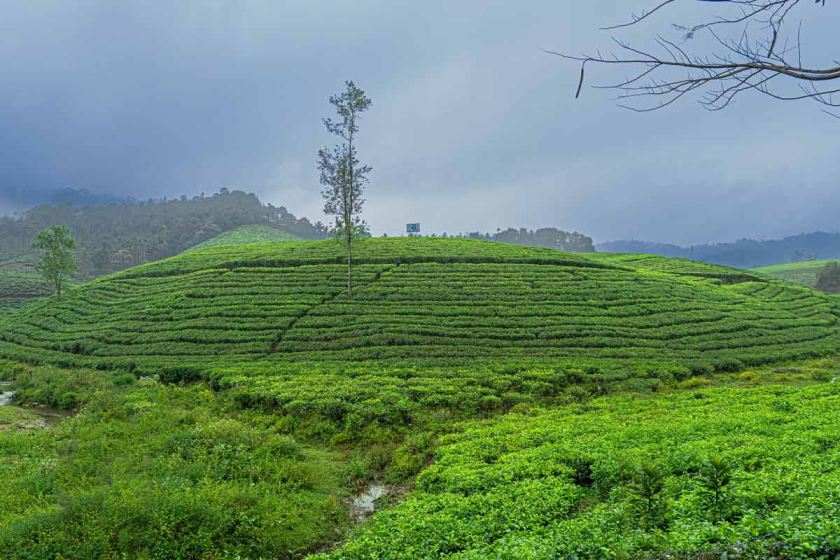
{"x": 256, "y": 233}
{"x": 268, "y": 304}
{"x": 804, "y": 273}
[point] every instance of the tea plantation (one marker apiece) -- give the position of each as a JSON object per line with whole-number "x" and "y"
{"x": 519, "y": 402}
{"x": 18, "y": 284}
{"x": 256, "y": 233}
{"x": 750, "y": 472}
{"x": 423, "y": 299}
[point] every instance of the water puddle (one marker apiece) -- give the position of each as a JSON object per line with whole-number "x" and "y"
{"x": 5, "y": 394}
{"x": 364, "y": 504}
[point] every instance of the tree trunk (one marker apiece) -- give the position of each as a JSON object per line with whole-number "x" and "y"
{"x": 349, "y": 221}
{"x": 350, "y": 267}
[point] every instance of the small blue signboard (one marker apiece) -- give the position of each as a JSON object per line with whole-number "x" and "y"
{"x": 412, "y": 229}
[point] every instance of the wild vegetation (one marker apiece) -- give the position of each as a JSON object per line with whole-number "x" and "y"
{"x": 152, "y": 471}
{"x": 828, "y": 279}
{"x": 56, "y": 257}
{"x": 343, "y": 175}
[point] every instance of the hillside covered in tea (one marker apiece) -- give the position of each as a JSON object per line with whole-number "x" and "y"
{"x": 423, "y": 299}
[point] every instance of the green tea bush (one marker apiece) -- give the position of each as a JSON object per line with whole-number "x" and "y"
{"x": 667, "y": 477}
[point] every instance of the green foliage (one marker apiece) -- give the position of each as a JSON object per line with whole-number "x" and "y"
{"x": 21, "y": 283}
{"x": 715, "y": 477}
{"x": 647, "y": 498}
{"x": 53, "y": 387}
{"x": 655, "y": 482}
{"x": 57, "y": 259}
{"x": 117, "y": 236}
{"x": 550, "y": 238}
{"x": 151, "y": 471}
{"x": 342, "y": 174}
{"x": 204, "y": 380}
{"x": 828, "y": 279}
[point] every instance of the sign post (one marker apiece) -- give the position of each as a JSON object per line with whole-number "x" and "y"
{"x": 412, "y": 229}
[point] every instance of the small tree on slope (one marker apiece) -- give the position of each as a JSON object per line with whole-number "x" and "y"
{"x": 58, "y": 261}
{"x": 342, "y": 174}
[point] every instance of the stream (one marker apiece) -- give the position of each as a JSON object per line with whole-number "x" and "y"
{"x": 49, "y": 415}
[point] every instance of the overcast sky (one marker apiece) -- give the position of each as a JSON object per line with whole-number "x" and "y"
{"x": 473, "y": 126}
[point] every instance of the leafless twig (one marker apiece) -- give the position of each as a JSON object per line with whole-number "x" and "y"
{"x": 757, "y": 52}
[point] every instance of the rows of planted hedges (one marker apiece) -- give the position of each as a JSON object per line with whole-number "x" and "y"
{"x": 437, "y": 299}
{"x": 18, "y": 283}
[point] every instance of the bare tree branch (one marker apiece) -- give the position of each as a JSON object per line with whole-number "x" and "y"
{"x": 758, "y": 51}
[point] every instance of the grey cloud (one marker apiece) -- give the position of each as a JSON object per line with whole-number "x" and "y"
{"x": 473, "y": 125}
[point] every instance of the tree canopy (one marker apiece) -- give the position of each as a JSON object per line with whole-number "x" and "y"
{"x": 343, "y": 176}
{"x": 57, "y": 261}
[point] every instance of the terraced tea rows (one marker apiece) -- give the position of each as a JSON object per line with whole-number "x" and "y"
{"x": 257, "y": 233}
{"x": 423, "y": 299}
{"x": 439, "y": 332}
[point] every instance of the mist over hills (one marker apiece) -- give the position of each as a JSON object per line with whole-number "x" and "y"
{"x": 14, "y": 199}
{"x": 744, "y": 253}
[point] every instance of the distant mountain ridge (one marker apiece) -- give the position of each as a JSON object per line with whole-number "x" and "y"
{"x": 744, "y": 253}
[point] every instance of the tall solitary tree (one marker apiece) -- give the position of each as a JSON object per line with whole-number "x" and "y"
{"x": 342, "y": 174}
{"x": 57, "y": 260}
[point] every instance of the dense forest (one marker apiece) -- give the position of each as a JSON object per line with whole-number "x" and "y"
{"x": 551, "y": 238}
{"x": 116, "y": 236}
{"x": 745, "y": 253}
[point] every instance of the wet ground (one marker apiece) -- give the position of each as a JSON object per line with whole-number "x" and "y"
{"x": 364, "y": 504}
{"x": 48, "y": 416}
